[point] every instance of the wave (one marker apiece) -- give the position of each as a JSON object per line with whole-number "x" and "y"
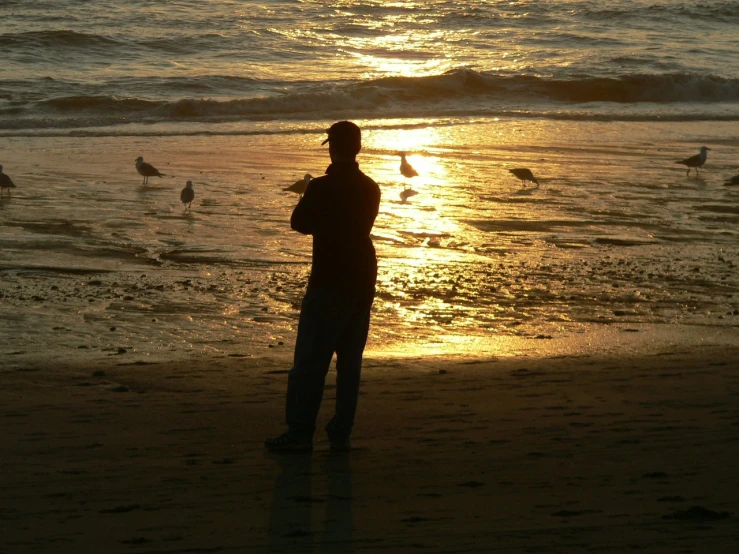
{"x": 50, "y": 45}
{"x": 122, "y": 127}
{"x": 456, "y": 93}
{"x": 664, "y": 88}
{"x": 54, "y": 39}
{"x": 725, "y": 12}
{"x": 98, "y": 103}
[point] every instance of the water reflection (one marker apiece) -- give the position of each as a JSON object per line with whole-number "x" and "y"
{"x": 405, "y": 54}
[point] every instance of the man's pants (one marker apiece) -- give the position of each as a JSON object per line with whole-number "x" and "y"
{"x": 330, "y": 322}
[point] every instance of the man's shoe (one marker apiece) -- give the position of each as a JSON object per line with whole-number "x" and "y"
{"x": 341, "y": 445}
{"x": 288, "y": 443}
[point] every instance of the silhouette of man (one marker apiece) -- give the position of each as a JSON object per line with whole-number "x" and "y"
{"x": 339, "y": 210}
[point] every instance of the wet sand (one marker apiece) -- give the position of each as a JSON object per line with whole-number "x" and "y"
{"x": 584, "y": 453}
{"x": 616, "y": 236}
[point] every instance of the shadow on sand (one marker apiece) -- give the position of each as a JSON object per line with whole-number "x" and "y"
{"x": 305, "y": 486}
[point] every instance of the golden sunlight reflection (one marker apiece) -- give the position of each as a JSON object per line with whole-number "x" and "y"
{"x": 422, "y": 234}
{"x": 405, "y": 55}
{"x": 445, "y": 343}
{"x": 426, "y": 219}
{"x": 402, "y": 67}
{"x": 470, "y": 259}
{"x": 453, "y": 281}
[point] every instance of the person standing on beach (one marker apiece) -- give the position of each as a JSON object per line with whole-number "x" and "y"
{"x": 339, "y": 210}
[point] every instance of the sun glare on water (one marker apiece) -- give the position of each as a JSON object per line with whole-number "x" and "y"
{"x": 423, "y": 213}
{"x": 418, "y": 237}
{"x": 403, "y": 55}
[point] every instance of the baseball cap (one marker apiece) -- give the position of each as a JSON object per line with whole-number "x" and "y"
{"x": 345, "y": 136}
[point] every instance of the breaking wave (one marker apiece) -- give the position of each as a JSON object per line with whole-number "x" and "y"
{"x": 456, "y": 93}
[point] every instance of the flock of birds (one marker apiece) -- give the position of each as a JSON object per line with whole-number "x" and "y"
{"x": 692, "y": 162}
{"x": 406, "y": 169}
{"x": 525, "y": 175}
{"x": 147, "y": 170}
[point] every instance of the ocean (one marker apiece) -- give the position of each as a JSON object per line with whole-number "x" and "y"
{"x": 100, "y": 67}
{"x": 599, "y": 99}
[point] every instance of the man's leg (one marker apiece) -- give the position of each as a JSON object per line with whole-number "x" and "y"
{"x": 349, "y": 353}
{"x": 320, "y": 322}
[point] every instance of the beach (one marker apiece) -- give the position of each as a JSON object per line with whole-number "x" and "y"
{"x": 551, "y": 366}
{"x": 587, "y": 453}
{"x": 549, "y": 369}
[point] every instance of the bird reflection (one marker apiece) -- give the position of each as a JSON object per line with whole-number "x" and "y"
{"x": 406, "y": 193}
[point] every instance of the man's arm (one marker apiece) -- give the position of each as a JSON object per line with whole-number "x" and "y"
{"x": 303, "y": 218}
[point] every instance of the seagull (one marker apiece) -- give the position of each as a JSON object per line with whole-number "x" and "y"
{"x": 147, "y": 170}
{"x": 525, "y": 175}
{"x": 406, "y": 169}
{"x": 406, "y": 193}
{"x": 301, "y": 185}
{"x": 187, "y": 195}
{"x": 5, "y": 183}
{"x": 729, "y": 182}
{"x": 695, "y": 161}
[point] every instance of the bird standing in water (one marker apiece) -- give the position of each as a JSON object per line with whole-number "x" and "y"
{"x": 187, "y": 195}
{"x": 525, "y": 175}
{"x": 406, "y": 169}
{"x": 5, "y": 183}
{"x": 696, "y": 161}
{"x": 300, "y": 186}
{"x": 147, "y": 170}
{"x": 732, "y": 181}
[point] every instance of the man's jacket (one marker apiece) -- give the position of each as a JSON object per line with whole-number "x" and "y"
{"x": 339, "y": 210}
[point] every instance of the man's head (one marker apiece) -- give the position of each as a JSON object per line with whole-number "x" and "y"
{"x": 344, "y": 139}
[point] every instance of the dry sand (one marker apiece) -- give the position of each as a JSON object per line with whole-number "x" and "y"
{"x": 568, "y": 454}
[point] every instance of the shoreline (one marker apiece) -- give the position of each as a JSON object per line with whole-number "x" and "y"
{"x": 574, "y": 453}
{"x": 615, "y": 340}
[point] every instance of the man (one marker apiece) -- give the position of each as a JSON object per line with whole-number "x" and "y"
{"x": 339, "y": 210}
